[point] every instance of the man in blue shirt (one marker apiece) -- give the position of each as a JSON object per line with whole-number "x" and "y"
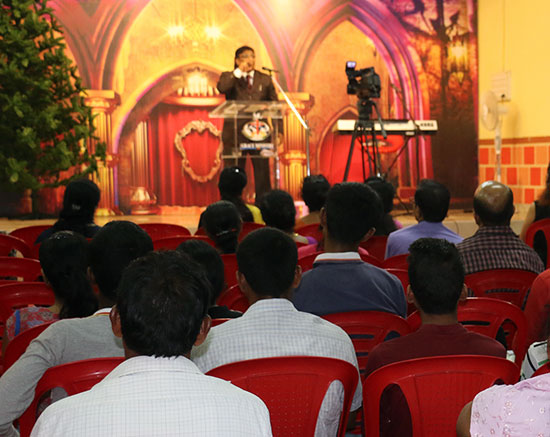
{"x": 340, "y": 281}
{"x": 431, "y": 203}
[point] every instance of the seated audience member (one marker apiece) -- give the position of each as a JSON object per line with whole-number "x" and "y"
{"x": 278, "y": 211}
{"x": 80, "y": 201}
{"x": 519, "y": 410}
{"x": 205, "y": 255}
{"x": 495, "y": 245}
{"x": 272, "y": 327}
{"x": 436, "y": 284}
{"x": 431, "y": 203}
{"x": 340, "y": 281}
{"x": 222, "y": 223}
{"x": 386, "y": 225}
{"x": 111, "y": 250}
{"x": 64, "y": 261}
{"x": 314, "y": 192}
{"x": 537, "y": 309}
{"x": 231, "y": 185}
{"x": 538, "y": 210}
{"x": 161, "y": 311}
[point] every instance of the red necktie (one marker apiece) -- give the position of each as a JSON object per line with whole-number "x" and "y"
{"x": 249, "y": 81}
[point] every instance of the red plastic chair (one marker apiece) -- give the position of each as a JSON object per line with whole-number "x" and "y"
{"x": 26, "y": 268}
{"x": 371, "y": 259}
{"x": 544, "y": 227}
{"x": 20, "y": 342}
{"x": 230, "y": 268}
{"x": 313, "y": 230}
{"x": 376, "y": 246}
{"x": 9, "y": 243}
{"x": 542, "y": 370}
{"x": 306, "y": 262}
{"x": 293, "y": 388}
{"x": 29, "y": 234}
{"x": 172, "y": 243}
{"x": 436, "y": 389}
{"x": 396, "y": 262}
{"x": 248, "y": 227}
{"x": 485, "y": 316}
{"x": 403, "y": 276}
{"x": 216, "y": 322}
{"x": 161, "y": 230}
{"x": 234, "y": 299}
{"x": 510, "y": 285}
{"x": 73, "y": 377}
{"x": 367, "y": 329}
{"x": 22, "y": 294}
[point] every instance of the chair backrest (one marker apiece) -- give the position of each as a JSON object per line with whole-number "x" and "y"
{"x": 396, "y": 262}
{"x": 485, "y": 316}
{"x": 306, "y": 262}
{"x": 376, "y": 246}
{"x": 230, "y": 268}
{"x": 293, "y": 388}
{"x": 539, "y": 226}
{"x": 545, "y": 368}
{"x": 234, "y": 299}
{"x": 510, "y": 285}
{"x": 367, "y": 329}
{"x": 314, "y": 230}
{"x": 29, "y": 234}
{"x": 21, "y": 294}
{"x": 371, "y": 259}
{"x": 436, "y": 389}
{"x": 9, "y": 243}
{"x": 161, "y": 230}
{"x": 26, "y": 268}
{"x": 20, "y": 342}
{"x": 248, "y": 227}
{"x": 73, "y": 377}
{"x": 403, "y": 276}
{"x": 172, "y": 243}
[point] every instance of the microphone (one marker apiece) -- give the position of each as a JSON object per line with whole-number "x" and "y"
{"x": 271, "y": 70}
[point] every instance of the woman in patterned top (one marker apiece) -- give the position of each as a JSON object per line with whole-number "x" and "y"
{"x": 64, "y": 261}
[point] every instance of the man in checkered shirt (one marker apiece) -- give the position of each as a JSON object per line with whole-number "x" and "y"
{"x": 495, "y": 245}
{"x": 272, "y": 326}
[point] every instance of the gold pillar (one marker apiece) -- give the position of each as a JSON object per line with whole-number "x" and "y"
{"x": 293, "y": 157}
{"x": 103, "y": 103}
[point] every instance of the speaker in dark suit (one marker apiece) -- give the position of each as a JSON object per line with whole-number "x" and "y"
{"x": 246, "y": 83}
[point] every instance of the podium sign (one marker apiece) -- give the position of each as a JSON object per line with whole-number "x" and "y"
{"x": 251, "y": 125}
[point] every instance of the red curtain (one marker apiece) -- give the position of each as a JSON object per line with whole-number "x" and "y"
{"x": 168, "y": 180}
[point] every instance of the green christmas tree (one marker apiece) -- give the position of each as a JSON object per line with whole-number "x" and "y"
{"x": 45, "y": 125}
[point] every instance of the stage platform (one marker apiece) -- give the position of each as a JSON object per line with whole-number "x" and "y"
{"x": 459, "y": 220}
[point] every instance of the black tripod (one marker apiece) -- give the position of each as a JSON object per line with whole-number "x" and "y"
{"x": 364, "y": 127}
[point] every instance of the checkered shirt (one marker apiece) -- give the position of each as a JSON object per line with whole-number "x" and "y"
{"x": 275, "y": 328}
{"x": 149, "y": 396}
{"x": 497, "y": 247}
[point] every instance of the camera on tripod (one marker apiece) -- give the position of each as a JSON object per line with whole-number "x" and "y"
{"x": 369, "y": 84}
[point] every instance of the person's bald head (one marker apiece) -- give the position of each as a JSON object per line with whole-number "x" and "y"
{"x": 493, "y": 204}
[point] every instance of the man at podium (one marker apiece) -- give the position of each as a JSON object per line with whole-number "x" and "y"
{"x": 246, "y": 83}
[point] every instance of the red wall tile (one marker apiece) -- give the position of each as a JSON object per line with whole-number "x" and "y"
{"x": 506, "y": 155}
{"x": 529, "y": 155}
{"x": 484, "y": 156}
{"x": 490, "y": 174}
{"x": 529, "y": 196}
{"x": 511, "y": 176}
{"x": 536, "y": 176}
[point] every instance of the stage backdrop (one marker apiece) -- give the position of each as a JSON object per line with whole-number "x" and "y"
{"x": 136, "y": 56}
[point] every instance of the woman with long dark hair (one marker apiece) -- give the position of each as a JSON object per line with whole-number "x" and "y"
{"x": 64, "y": 261}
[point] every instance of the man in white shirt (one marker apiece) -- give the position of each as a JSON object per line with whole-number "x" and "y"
{"x": 111, "y": 250}
{"x": 161, "y": 312}
{"x": 272, "y": 327}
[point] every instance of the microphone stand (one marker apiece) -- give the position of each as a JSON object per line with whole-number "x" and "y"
{"x": 298, "y": 115}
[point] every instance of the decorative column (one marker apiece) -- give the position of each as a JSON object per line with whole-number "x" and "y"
{"x": 103, "y": 103}
{"x": 293, "y": 158}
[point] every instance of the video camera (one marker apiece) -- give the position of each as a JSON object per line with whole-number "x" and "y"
{"x": 368, "y": 86}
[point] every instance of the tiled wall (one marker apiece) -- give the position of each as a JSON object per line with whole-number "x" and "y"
{"x": 524, "y": 163}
